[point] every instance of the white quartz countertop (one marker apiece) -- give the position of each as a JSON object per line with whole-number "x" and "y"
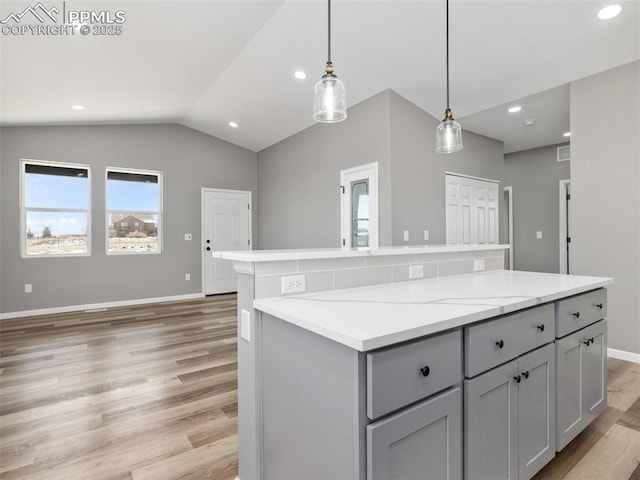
{"x": 304, "y": 254}
{"x": 367, "y": 318}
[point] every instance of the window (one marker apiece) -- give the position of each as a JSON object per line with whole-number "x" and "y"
{"x": 134, "y": 211}
{"x": 55, "y": 213}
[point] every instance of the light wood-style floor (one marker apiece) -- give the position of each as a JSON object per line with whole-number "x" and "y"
{"x": 150, "y": 392}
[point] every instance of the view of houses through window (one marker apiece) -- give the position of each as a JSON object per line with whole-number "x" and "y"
{"x": 134, "y": 211}
{"x": 55, "y": 211}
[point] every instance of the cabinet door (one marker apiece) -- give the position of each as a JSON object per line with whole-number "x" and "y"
{"x": 569, "y": 411}
{"x": 423, "y": 441}
{"x": 581, "y": 383}
{"x": 594, "y": 370}
{"x": 491, "y": 425}
{"x": 536, "y": 411}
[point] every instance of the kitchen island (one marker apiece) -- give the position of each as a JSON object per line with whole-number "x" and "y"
{"x": 370, "y": 381}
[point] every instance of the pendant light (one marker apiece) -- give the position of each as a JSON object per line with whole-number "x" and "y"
{"x": 449, "y": 132}
{"x": 329, "y": 99}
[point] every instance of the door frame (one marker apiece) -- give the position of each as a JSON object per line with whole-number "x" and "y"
{"x": 370, "y": 171}
{"x": 562, "y": 224}
{"x": 203, "y": 252}
{"x": 509, "y": 191}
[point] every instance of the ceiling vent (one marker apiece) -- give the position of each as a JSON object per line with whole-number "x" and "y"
{"x": 564, "y": 153}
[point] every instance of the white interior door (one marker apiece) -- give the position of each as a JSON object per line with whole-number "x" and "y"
{"x": 564, "y": 201}
{"x": 359, "y": 206}
{"x": 472, "y": 206}
{"x": 226, "y": 225}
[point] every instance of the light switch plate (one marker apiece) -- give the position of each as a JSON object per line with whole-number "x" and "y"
{"x": 245, "y": 325}
{"x": 539, "y": 235}
{"x": 405, "y": 235}
{"x": 426, "y": 235}
{"x": 478, "y": 265}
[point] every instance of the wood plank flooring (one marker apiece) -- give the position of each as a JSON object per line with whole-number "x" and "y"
{"x": 150, "y": 392}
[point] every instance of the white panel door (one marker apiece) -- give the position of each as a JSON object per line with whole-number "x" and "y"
{"x": 359, "y": 206}
{"x": 226, "y": 225}
{"x": 471, "y": 210}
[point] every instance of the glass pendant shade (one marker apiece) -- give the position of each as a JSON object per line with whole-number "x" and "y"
{"x": 329, "y": 100}
{"x": 448, "y": 136}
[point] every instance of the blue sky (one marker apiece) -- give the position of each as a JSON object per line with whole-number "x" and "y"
{"x": 53, "y": 191}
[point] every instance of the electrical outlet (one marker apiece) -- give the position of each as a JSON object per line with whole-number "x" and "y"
{"x": 539, "y": 235}
{"x": 416, "y": 271}
{"x": 28, "y": 288}
{"x": 406, "y": 235}
{"x": 478, "y": 265}
{"x": 188, "y": 236}
{"x": 293, "y": 284}
{"x": 187, "y": 277}
{"x": 426, "y": 235}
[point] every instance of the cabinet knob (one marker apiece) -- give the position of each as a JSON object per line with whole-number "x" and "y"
{"x": 425, "y": 371}
{"x": 500, "y": 344}
{"x": 591, "y": 340}
{"x": 587, "y": 342}
{"x": 517, "y": 378}
{"x": 525, "y": 375}
{"x": 540, "y": 327}
{"x": 599, "y": 305}
{"x": 576, "y": 314}
{"x": 208, "y": 248}
{"x": 208, "y": 241}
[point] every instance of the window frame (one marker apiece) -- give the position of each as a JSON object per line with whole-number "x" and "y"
{"x": 159, "y": 213}
{"x": 24, "y": 209}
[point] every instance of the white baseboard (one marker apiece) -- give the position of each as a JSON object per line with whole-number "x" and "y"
{"x": 98, "y": 306}
{"x": 622, "y": 355}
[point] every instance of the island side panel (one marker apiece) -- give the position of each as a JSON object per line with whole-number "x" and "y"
{"x": 249, "y": 387}
{"x": 313, "y": 393}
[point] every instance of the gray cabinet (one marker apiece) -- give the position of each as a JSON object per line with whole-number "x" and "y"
{"x": 423, "y": 441}
{"x": 581, "y": 359}
{"x": 510, "y": 418}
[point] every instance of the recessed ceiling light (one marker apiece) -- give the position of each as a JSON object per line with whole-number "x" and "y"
{"x": 300, "y": 75}
{"x": 233, "y": 124}
{"x": 609, "y": 12}
{"x": 566, "y": 134}
{"x": 515, "y": 109}
{"x": 77, "y": 107}
{"x": 529, "y": 122}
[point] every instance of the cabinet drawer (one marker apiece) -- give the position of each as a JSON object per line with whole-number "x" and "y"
{"x": 577, "y": 312}
{"x": 495, "y": 342}
{"x": 395, "y": 376}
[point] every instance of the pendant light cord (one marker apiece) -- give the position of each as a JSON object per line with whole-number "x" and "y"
{"x": 447, "y": 35}
{"x": 329, "y": 33}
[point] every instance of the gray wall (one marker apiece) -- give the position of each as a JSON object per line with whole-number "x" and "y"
{"x": 605, "y": 174}
{"x": 417, "y": 171}
{"x": 535, "y": 177}
{"x": 299, "y": 178}
{"x": 189, "y": 159}
{"x": 298, "y": 197}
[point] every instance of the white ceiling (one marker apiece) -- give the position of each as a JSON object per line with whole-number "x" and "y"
{"x": 205, "y": 63}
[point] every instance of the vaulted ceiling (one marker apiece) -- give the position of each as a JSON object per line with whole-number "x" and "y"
{"x": 206, "y": 63}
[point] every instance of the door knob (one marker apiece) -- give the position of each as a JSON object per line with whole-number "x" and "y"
{"x": 517, "y": 378}
{"x": 541, "y": 327}
{"x": 576, "y": 314}
{"x": 500, "y": 344}
{"x": 425, "y": 371}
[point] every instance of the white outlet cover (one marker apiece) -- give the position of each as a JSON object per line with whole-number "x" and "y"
{"x": 426, "y": 235}
{"x": 416, "y": 271}
{"x": 188, "y": 236}
{"x": 406, "y": 235}
{"x": 293, "y": 284}
{"x": 187, "y": 276}
{"x": 539, "y": 235}
{"x": 478, "y": 265}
